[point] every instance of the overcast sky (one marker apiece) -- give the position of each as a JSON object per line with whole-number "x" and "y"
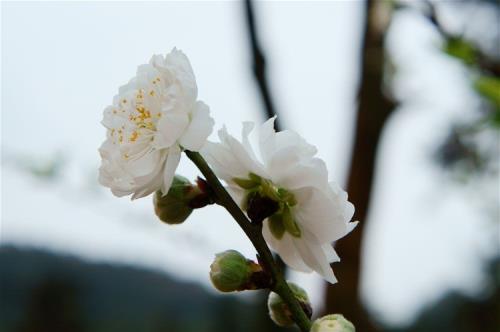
{"x": 63, "y": 62}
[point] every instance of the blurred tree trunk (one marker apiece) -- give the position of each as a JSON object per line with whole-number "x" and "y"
{"x": 373, "y": 110}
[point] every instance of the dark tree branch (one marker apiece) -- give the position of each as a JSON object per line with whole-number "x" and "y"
{"x": 259, "y": 65}
{"x": 374, "y": 107}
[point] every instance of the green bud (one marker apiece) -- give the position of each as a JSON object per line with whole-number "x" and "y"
{"x": 174, "y": 208}
{"x": 332, "y": 323}
{"x": 278, "y": 309}
{"x": 230, "y": 271}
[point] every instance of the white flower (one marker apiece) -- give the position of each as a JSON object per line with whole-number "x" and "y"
{"x": 152, "y": 119}
{"x": 312, "y": 211}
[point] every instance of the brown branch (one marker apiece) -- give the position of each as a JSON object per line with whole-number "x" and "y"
{"x": 373, "y": 110}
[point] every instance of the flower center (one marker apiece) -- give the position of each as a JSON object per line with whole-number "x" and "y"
{"x": 266, "y": 200}
{"x": 140, "y": 115}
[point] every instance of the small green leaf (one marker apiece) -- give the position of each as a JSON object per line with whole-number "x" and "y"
{"x": 461, "y": 49}
{"x": 489, "y": 87}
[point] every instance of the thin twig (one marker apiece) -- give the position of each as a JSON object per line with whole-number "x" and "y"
{"x": 483, "y": 61}
{"x": 254, "y": 233}
{"x": 259, "y": 64}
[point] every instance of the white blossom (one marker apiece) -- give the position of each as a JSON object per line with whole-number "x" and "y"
{"x": 151, "y": 120}
{"x": 313, "y": 212}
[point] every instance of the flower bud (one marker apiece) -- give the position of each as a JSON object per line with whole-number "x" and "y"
{"x": 279, "y": 311}
{"x": 230, "y": 271}
{"x": 175, "y": 207}
{"x": 332, "y": 323}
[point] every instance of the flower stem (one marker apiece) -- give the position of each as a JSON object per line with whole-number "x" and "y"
{"x": 254, "y": 233}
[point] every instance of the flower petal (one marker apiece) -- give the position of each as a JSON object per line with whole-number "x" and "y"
{"x": 285, "y": 248}
{"x": 271, "y": 143}
{"x": 170, "y": 128}
{"x": 221, "y": 160}
{"x": 312, "y": 173}
{"x": 198, "y": 129}
{"x": 317, "y": 212}
{"x": 173, "y": 158}
{"x": 314, "y": 256}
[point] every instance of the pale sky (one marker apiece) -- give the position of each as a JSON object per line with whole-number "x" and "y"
{"x": 63, "y": 62}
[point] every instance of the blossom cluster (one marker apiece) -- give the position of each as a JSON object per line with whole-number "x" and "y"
{"x": 156, "y": 116}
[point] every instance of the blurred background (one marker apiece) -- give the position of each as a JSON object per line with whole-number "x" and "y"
{"x": 402, "y": 99}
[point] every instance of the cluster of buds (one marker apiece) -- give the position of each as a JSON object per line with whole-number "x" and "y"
{"x": 232, "y": 272}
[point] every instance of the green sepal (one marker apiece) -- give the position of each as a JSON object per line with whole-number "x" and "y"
{"x": 180, "y": 186}
{"x": 246, "y": 183}
{"x": 287, "y": 196}
{"x": 268, "y": 190}
{"x": 276, "y": 226}
{"x": 255, "y": 177}
{"x": 289, "y": 223}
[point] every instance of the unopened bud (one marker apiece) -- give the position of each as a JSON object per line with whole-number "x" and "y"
{"x": 230, "y": 271}
{"x": 279, "y": 311}
{"x": 176, "y": 206}
{"x": 332, "y": 323}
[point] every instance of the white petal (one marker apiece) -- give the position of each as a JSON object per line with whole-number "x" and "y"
{"x": 312, "y": 173}
{"x": 177, "y": 62}
{"x": 245, "y": 133}
{"x": 240, "y": 155}
{"x": 285, "y": 248}
{"x": 199, "y": 128}
{"x": 316, "y": 212}
{"x": 266, "y": 139}
{"x": 143, "y": 166}
{"x": 330, "y": 253}
{"x": 230, "y": 159}
{"x": 222, "y": 161}
{"x": 151, "y": 182}
{"x": 271, "y": 143}
{"x": 173, "y": 158}
{"x": 170, "y": 128}
{"x": 314, "y": 256}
